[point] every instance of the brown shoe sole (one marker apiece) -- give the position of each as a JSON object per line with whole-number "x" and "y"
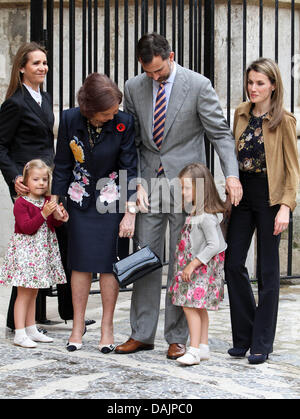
{"x": 175, "y": 356}
{"x": 141, "y": 348}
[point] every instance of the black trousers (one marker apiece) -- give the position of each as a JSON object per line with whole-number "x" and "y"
{"x": 253, "y": 325}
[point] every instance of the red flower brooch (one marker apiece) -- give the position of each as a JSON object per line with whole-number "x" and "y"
{"x": 121, "y": 127}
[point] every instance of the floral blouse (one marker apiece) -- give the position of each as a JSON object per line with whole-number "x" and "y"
{"x": 251, "y": 150}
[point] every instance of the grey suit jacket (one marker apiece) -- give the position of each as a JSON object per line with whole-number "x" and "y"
{"x": 193, "y": 110}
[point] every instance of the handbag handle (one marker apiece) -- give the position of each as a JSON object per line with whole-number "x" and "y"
{"x": 117, "y": 245}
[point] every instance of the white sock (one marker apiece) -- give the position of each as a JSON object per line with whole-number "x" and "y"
{"x": 204, "y": 347}
{"x": 204, "y": 351}
{"x": 31, "y": 330}
{"x": 19, "y": 333}
{"x": 194, "y": 348}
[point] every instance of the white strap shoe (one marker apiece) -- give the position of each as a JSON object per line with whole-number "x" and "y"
{"x": 40, "y": 337}
{"x": 25, "y": 342}
{"x": 34, "y": 334}
{"x": 191, "y": 357}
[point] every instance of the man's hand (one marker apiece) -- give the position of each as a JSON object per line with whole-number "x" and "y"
{"x": 234, "y": 188}
{"x": 142, "y": 199}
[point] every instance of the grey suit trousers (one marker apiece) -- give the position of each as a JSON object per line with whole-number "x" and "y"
{"x": 146, "y": 297}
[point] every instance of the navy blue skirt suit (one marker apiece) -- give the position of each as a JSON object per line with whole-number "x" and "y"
{"x": 91, "y": 175}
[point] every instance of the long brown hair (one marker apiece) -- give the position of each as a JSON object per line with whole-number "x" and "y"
{"x": 211, "y": 203}
{"x": 270, "y": 69}
{"x": 20, "y": 60}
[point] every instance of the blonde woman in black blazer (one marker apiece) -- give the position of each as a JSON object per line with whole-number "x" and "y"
{"x": 26, "y": 127}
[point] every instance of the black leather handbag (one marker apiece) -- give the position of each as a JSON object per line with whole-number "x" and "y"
{"x": 135, "y": 266}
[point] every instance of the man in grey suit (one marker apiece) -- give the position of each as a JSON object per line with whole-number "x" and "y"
{"x": 191, "y": 109}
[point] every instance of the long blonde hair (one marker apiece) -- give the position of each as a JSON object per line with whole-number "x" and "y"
{"x": 211, "y": 202}
{"x": 20, "y": 60}
{"x": 270, "y": 69}
{"x": 37, "y": 164}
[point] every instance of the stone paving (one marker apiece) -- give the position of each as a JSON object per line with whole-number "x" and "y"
{"x": 50, "y": 372}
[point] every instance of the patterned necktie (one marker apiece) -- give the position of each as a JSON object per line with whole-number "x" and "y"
{"x": 159, "y": 119}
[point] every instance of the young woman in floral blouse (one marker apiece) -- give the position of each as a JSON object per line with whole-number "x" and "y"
{"x": 199, "y": 262}
{"x": 33, "y": 260}
{"x": 267, "y": 152}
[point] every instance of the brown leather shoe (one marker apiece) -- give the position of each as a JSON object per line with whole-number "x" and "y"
{"x": 176, "y": 350}
{"x": 132, "y": 346}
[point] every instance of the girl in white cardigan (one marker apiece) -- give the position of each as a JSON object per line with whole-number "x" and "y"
{"x": 199, "y": 261}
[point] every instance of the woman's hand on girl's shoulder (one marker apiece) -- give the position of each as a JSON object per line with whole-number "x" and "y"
{"x": 20, "y": 188}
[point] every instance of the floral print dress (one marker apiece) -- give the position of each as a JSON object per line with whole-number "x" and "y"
{"x": 206, "y": 286}
{"x": 33, "y": 261}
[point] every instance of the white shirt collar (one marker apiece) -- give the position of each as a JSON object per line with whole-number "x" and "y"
{"x": 35, "y": 95}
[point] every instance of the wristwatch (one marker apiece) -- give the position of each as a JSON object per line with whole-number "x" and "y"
{"x": 131, "y": 209}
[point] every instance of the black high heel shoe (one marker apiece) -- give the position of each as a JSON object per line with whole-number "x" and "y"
{"x": 257, "y": 358}
{"x": 237, "y": 352}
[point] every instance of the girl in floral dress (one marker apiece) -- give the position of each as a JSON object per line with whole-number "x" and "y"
{"x": 199, "y": 261}
{"x": 33, "y": 260}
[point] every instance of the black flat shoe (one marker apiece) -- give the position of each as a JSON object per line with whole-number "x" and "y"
{"x": 106, "y": 349}
{"x": 237, "y": 352}
{"x": 257, "y": 359}
{"x": 73, "y": 346}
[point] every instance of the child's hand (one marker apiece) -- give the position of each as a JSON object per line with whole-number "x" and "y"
{"x": 187, "y": 272}
{"x": 60, "y": 213}
{"x": 189, "y": 269}
{"x": 49, "y": 208}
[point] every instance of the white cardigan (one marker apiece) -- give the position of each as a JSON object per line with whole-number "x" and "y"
{"x": 206, "y": 237}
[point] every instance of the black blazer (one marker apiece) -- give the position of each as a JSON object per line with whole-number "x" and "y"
{"x": 26, "y": 133}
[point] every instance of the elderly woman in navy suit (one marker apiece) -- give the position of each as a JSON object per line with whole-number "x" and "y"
{"x": 95, "y": 149}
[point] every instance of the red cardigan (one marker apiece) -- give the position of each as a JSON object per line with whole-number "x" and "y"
{"x": 28, "y": 217}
